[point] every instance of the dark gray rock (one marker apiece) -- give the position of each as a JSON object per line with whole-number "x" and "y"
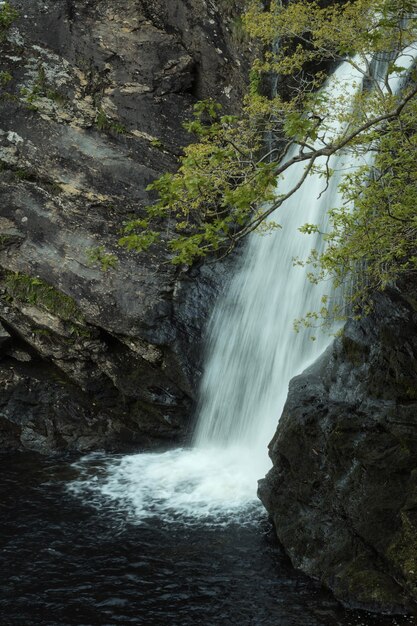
{"x": 5, "y": 337}
{"x": 93, "y": 113}
{"x": 343, "y": 489}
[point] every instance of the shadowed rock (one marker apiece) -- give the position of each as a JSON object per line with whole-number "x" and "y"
{"x": 343, "y": 489}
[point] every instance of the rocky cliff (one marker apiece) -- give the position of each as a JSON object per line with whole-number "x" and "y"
{"x": 343, "y": 489}
{"x": 100, "y": 347}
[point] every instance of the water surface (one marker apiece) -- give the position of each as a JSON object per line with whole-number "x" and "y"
{"x": 88, "y": 559}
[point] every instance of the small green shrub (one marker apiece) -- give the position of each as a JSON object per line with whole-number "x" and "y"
{"x": 238, "y": 31}
{"x": 5, "y": 78}
{"x": 56, "y": 96}
{"x": 105, "y": 123}
{"x": 99, "y": 256}
{"x": 102, "y": 121}
{"x": 118, "y": 128}
{"x": 8, "y": 15}
{"x": 156, "y": 143}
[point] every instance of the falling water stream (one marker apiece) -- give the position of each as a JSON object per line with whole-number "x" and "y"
{"x": 179, "y": 537}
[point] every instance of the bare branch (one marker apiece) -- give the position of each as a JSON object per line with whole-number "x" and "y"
{"x": 256, "y": 222}
{"x": 327, "y": 179}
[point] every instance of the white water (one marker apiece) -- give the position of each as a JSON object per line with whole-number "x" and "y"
{"x": 253, "y": 352}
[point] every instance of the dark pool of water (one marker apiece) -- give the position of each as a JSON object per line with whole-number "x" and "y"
{"x": 67, "y": 562}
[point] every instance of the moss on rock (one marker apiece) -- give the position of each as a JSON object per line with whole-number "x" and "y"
{"x": 33, "y": 290}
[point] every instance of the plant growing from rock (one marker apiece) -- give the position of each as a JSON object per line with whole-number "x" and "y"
{"x": 34, "y": 291}
{"x": 8, "y": 15}
{"x": 41, "y": 88}
{"x": 105, "y": 260}
{"x": 5, "y": 78}
{"x": 106, "y": 123}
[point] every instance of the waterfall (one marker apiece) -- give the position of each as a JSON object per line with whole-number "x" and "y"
{"x": 253, "y": 348}
{"x": 253, "y": 352}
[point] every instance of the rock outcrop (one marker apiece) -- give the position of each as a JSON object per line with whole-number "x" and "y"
{"x": 100, "y": 347}
{"x": 343, "y": 489}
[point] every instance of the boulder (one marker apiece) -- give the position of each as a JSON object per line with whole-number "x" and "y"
{"x": 342, "y": 492}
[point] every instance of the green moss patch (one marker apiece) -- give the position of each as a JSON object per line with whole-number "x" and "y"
{"x": 35, "y": 291}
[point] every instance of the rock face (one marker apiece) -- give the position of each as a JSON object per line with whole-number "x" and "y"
{"x": 93, "y": 96}
{"x": 343, "y": 489}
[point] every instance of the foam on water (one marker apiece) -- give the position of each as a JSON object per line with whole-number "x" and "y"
{"x": 182, "y": 484}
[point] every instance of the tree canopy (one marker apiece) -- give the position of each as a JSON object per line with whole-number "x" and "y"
{"x": 228, "y": 180}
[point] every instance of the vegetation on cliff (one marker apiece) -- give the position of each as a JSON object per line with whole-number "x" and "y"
{"x": 228, "y": 181}
{"x": 8, "y": 15}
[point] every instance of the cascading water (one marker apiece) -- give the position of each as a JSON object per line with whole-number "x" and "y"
{"x": 253, "y": 352}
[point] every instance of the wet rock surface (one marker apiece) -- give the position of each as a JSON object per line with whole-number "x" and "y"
{"x": 92, "y": 102}
{"x": 343, "y": 489}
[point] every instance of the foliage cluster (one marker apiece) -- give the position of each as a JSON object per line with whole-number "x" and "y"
{"x": 5, "y": 78}
{"x": 216, "y": 189}
{"x": 105, "y": 260}
{"x": 229, "y": 179}
{"x": 376, "y": 240}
